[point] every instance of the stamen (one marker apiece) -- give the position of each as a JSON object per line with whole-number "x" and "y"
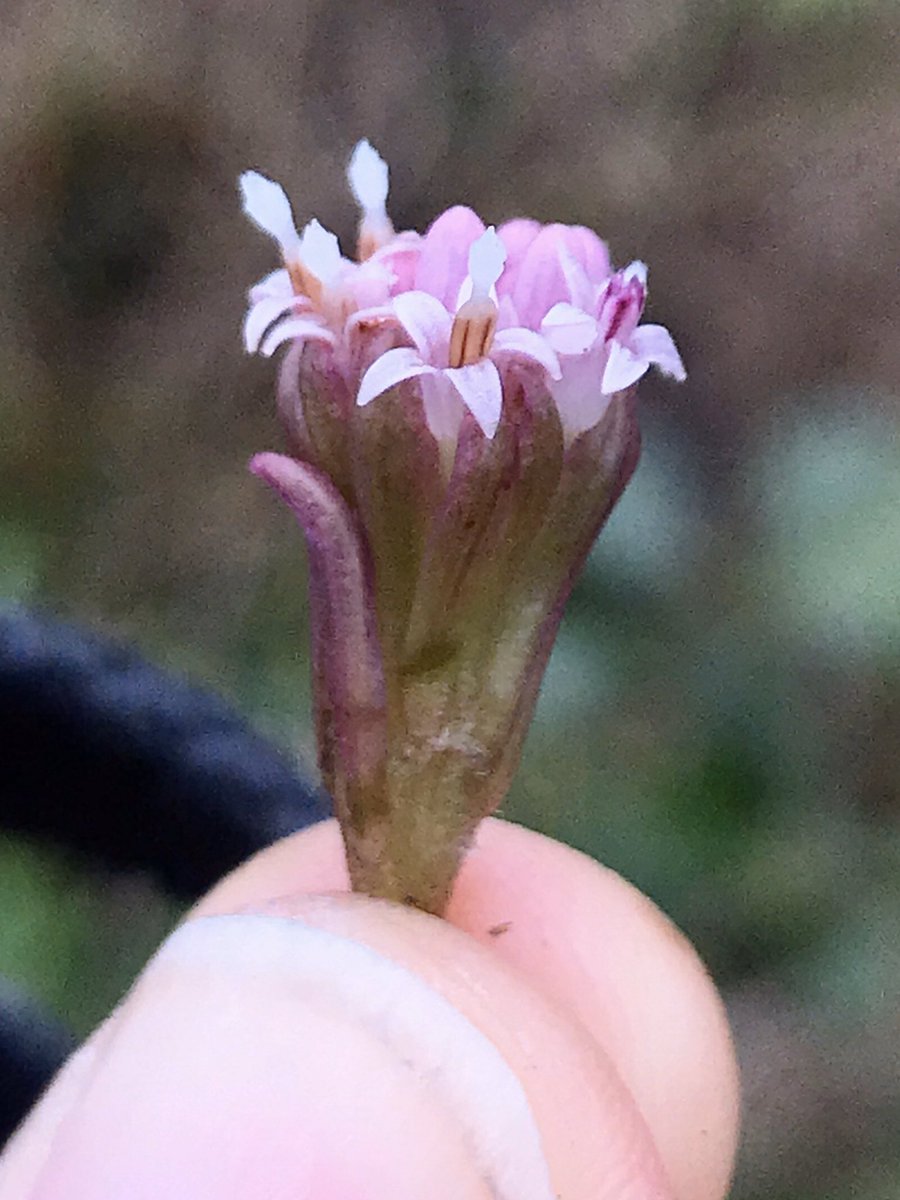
{"x": 267, "y": 206}
{"x": 472, "y": 332}
{"x": 487, "y": 258}
{"x": 367, "y": 174}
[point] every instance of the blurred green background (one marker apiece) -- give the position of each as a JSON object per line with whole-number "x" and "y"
{"x": 721, "y": 718}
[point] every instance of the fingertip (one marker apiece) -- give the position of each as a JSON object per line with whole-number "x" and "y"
{"x": 600, "y": 948}
{"x": 610, "y": 956}
{"x": 234, "y": 1069}
{"x": 24, "y": 1156}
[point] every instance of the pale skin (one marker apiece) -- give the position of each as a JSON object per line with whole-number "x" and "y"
{"x": 221, "y": 1077}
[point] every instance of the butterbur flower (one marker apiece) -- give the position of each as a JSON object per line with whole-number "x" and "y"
{"x": 460, "y": 414}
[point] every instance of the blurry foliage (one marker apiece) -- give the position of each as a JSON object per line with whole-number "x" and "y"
{"x": 720, "y": 716}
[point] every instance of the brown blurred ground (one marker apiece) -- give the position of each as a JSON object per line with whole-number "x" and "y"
{"x": 744, "y": 700}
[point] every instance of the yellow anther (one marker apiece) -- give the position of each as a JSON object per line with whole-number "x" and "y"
{"x": 472, "y": 332}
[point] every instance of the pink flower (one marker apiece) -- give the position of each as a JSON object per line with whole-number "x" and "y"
{"x": 456, "y": 357}
{"x": 598, "y": 338}
{"x": 537, "y": 277}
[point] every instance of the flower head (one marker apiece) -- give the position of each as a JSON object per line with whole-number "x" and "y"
{"x": 461, "y": 420}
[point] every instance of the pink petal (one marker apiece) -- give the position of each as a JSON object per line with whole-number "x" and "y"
{"x": 563, "y": 263}
{"x": 620, "y": 305}
{"x": 623, "y": 368}
{"x": 654, "y": 343}
{"x": 568, "y": 329}
{"x": 589, "y": 251}
{"x": 393, "y": 367}
{"x": 443, "y": 263}
{"x": 541, "y": 282}
{"x": 516, "y": 235}
{"x": 400, "y": 256}
{"x": 292, "y": 328}
{"x": 365, "y": 285}
{"x": 507, "y": 317}
{"x": 525, "y": 343}
{"x": 427, "y": 322}
{"x": 481, "y": 392}
{"x": 260, "y": 316}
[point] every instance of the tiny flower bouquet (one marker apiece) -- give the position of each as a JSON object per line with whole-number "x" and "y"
{"x": 460, "y": 415}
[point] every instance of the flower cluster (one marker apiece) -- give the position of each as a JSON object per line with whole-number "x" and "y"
{"x": 460, "y": 415}
{"x": 468, "y": 305}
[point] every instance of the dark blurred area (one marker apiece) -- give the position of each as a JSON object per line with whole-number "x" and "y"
{"x": 720, "y": 720}
{"x": 32, "y": 1046}
{"x": 131, "y": 767}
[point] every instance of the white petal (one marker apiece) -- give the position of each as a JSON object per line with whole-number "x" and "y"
{"x": 654, "y": 343}
{"x": 525, "y": 343}
{"x": 320, "y": 253}
{"x": 623, "y": 368}
{"x": 367, "y": 174}
{"x": 636, "y": 270}
{"x": 393, "y": 367}
{"x": 427, "y": 322}
{"x": 267, "y": 206}
{"x": 276, "y": 283}
{"x": 444, "y": 409}
{"x": 578, "y": 395}
{"x": 487, "y": 257}
{"x": 291, "y": 329}
{"x": 260, "y": 316}
{"x": 481, "y": 391}
{"x": 568, "y": 329}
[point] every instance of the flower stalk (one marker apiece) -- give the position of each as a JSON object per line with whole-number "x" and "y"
{"x": 460, "y": 417}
